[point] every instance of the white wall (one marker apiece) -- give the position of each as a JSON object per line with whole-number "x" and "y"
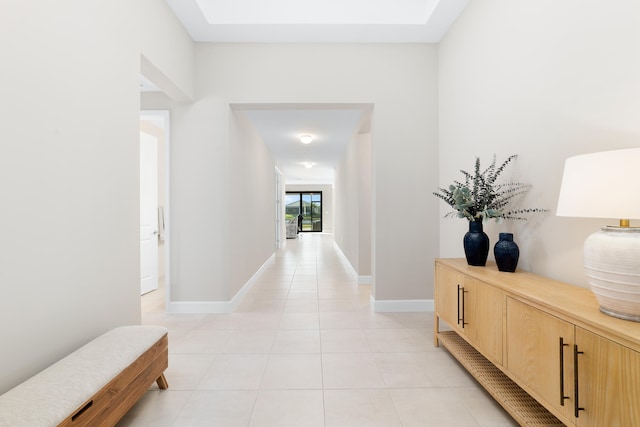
{"x": 199, "y": 202}
{"x": 69, "y": 174}
{"x": 167, "y": 50}
{"x": 251, "y": 203}
{"x": 347, "y": 206}
{"x": 327, "y": 202}
{"x": 545, "y": 80}
{"x": 353, "y": 204}
{"x": 364, "y": 204}
{"x": 400, "y": 80}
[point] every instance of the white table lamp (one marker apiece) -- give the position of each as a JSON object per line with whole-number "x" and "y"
{"x": 603, "y": 185}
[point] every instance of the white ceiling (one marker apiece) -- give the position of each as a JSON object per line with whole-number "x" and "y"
{"x": 312, "y": 21}
{"x": 332, "y": 127}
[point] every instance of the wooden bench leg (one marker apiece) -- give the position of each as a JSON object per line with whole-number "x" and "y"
{"x": 162, "y": 382}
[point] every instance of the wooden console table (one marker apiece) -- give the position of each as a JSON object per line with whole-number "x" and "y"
{"x": 540, "y": 347}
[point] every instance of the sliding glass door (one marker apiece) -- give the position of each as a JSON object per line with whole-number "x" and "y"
{"x": 309, "y": 206}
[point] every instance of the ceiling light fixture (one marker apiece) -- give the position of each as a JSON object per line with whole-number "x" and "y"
{"x": 306, "y": 139}
{"x": 308, "y": 165}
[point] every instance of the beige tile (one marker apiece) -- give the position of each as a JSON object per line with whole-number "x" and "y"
{"x": 302, "y": 294}
{"x": 350, "y": 370}
{"x": 399, "y": 340}
{"x": 176, "y": 336}
{"x": 185, "y": 371}
{"x": 484, "y": 408}
{"x": 297, "y": 341}
{"x": 301, "y": 306}
{"x": 342, "y": 292}
{"x": 261, "y": 306}
{"x": 293, "y": 371}
{"x": 272, "y": 284}
{"x": 241, "y": 321}
{"x": 235, "y": 372}
{"x": 437, "y": 405}
{"x": 329, "y": 305}
{"x": 288, "y": 408}
{"x": 454, "y": 373}
{"x": 258, "y": 294}
{"x": 181, "y": 321}
{"x": 200, "y": 341}
{"x": 241, "y": 341}
{"x": 402, "y": 370}
{"x": 156, "y": 408}
{"x": 304, "y": 277}
{"x": 344, "y": 341}
{"x": 217, "y": 408}
{"x": 304, "y": 285}
{"x": 361, "y": 408}
{"x": 338, "y": 320}
{"x": 299, "y": 321}
{"x": 262, "y": 366}
{"x": 401, "y": 320}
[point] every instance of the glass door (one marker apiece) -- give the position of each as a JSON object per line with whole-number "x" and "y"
{"x": 306, "y": 207}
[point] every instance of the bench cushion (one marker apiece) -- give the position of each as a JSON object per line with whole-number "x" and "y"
{"x": 50, "y": 396}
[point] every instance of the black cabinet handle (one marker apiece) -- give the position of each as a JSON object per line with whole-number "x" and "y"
{"x": 562, "y": 396}
{"x": 463, "y": 292}
{"x": 575, "y": 380}
{"x": 459, "y": 319}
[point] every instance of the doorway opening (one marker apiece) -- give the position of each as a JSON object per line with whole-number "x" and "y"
{"x": 307, "y": 208}
{"x": 154, "y": 209}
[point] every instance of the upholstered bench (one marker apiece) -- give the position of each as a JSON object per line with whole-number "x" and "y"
{"x": 93, "y": 386}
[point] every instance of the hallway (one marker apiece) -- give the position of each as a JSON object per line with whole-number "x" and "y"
{"x": 304, "y": 349}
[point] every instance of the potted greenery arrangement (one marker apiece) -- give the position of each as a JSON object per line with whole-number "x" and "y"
{"x": 480, "y": 198}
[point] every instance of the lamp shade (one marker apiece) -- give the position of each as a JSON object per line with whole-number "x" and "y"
{"x": 601, "y": 185}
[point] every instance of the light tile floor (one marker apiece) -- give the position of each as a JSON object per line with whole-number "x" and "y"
{"x": 304, "y": 349}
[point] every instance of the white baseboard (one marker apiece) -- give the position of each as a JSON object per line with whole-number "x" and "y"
{"x": 402, "y": 306}
{"x": 238, "y": 297}
{"x": 195, "y": 307}
{"x": 362, "y": 280}
{"x": 365, "y": 280}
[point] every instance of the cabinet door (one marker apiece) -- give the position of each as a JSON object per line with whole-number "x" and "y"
{"x": 536, "y": 358}
{"x": 608, "y": 382}
{"x": 482, "y": 307}
{"x": 472, "y": 308}
{"x": 447, "y": 295}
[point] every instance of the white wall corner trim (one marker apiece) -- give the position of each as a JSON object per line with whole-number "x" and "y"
{"x": 344, "y": 257}
{"x": 402, "y": 306}
{"x": 239, "y": 296}
{"x": 194, "y": 307}
{"x": 365, "y": 280}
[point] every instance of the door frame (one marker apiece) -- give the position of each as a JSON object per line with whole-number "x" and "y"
{"x": 312, "y": 193}
{"x": 165, "y": 116}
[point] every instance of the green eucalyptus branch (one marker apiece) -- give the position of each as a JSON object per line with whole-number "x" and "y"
{"x": 480, "y": 197}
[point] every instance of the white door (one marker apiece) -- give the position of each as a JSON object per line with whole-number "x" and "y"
{"x": 148, "y": 213}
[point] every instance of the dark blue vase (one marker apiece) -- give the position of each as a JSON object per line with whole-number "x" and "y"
{"x": 476, "y": 244}
{"x": 506, "y": 252}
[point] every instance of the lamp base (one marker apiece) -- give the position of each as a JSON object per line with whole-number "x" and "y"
{"x": 620, "y": 315}
{"x": 612, "y": 266}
